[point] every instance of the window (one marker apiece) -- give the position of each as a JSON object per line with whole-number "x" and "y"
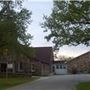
{"x": 21, "y": 65}
{"x": 60, "y": 66}
{"x": 32, "y": 68}
{"x": 64, "y": 67}
{"x": 57, "y": 67}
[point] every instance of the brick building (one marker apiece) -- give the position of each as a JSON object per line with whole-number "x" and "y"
{"x": 39, "y": 64}
{"x": 80, "y": 64}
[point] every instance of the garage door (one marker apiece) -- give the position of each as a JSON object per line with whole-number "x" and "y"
{"x": 61, "y": 69}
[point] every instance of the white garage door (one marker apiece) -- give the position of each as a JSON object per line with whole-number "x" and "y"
{"x": 60, "y": 69}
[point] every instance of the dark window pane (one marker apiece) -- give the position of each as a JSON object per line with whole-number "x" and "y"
{"x": 60, "y": 66}
{"x": 21, "y": 65}
{"x": 57, "y": 66}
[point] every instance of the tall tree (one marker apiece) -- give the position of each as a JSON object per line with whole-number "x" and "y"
{"x": 14, "y": 20}
{"x": 69, "y": 23}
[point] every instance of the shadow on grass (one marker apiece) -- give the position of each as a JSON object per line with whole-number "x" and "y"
{"x": 13, "y": 80}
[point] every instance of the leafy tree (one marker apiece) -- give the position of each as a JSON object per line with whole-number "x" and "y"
{"x": 69, "y": 23}
{"x": 14, "y": 20}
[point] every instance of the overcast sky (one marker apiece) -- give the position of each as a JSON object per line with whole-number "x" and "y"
{"x": 40, "y": 8}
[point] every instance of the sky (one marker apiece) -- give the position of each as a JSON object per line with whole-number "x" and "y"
{"x": 40, "y": 8}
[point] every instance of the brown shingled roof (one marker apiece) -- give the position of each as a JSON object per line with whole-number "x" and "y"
{"x": 79, "y": 56}
{"x": 44, "y": 54}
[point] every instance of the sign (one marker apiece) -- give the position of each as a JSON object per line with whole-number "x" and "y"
{"x": 10, "y": 66}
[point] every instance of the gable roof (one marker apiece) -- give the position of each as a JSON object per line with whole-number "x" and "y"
{"x": 87, "y": 53}
{"x": 44, "y": 54}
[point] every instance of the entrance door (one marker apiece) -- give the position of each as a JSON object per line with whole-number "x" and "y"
{"x": 3, "y": 67}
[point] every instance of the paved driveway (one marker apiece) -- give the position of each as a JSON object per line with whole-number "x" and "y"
{"x": 57, "y": 82}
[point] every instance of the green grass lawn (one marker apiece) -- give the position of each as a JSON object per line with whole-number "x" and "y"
{"x": 83, "y": 86}
{"x": 13, "y": 81}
